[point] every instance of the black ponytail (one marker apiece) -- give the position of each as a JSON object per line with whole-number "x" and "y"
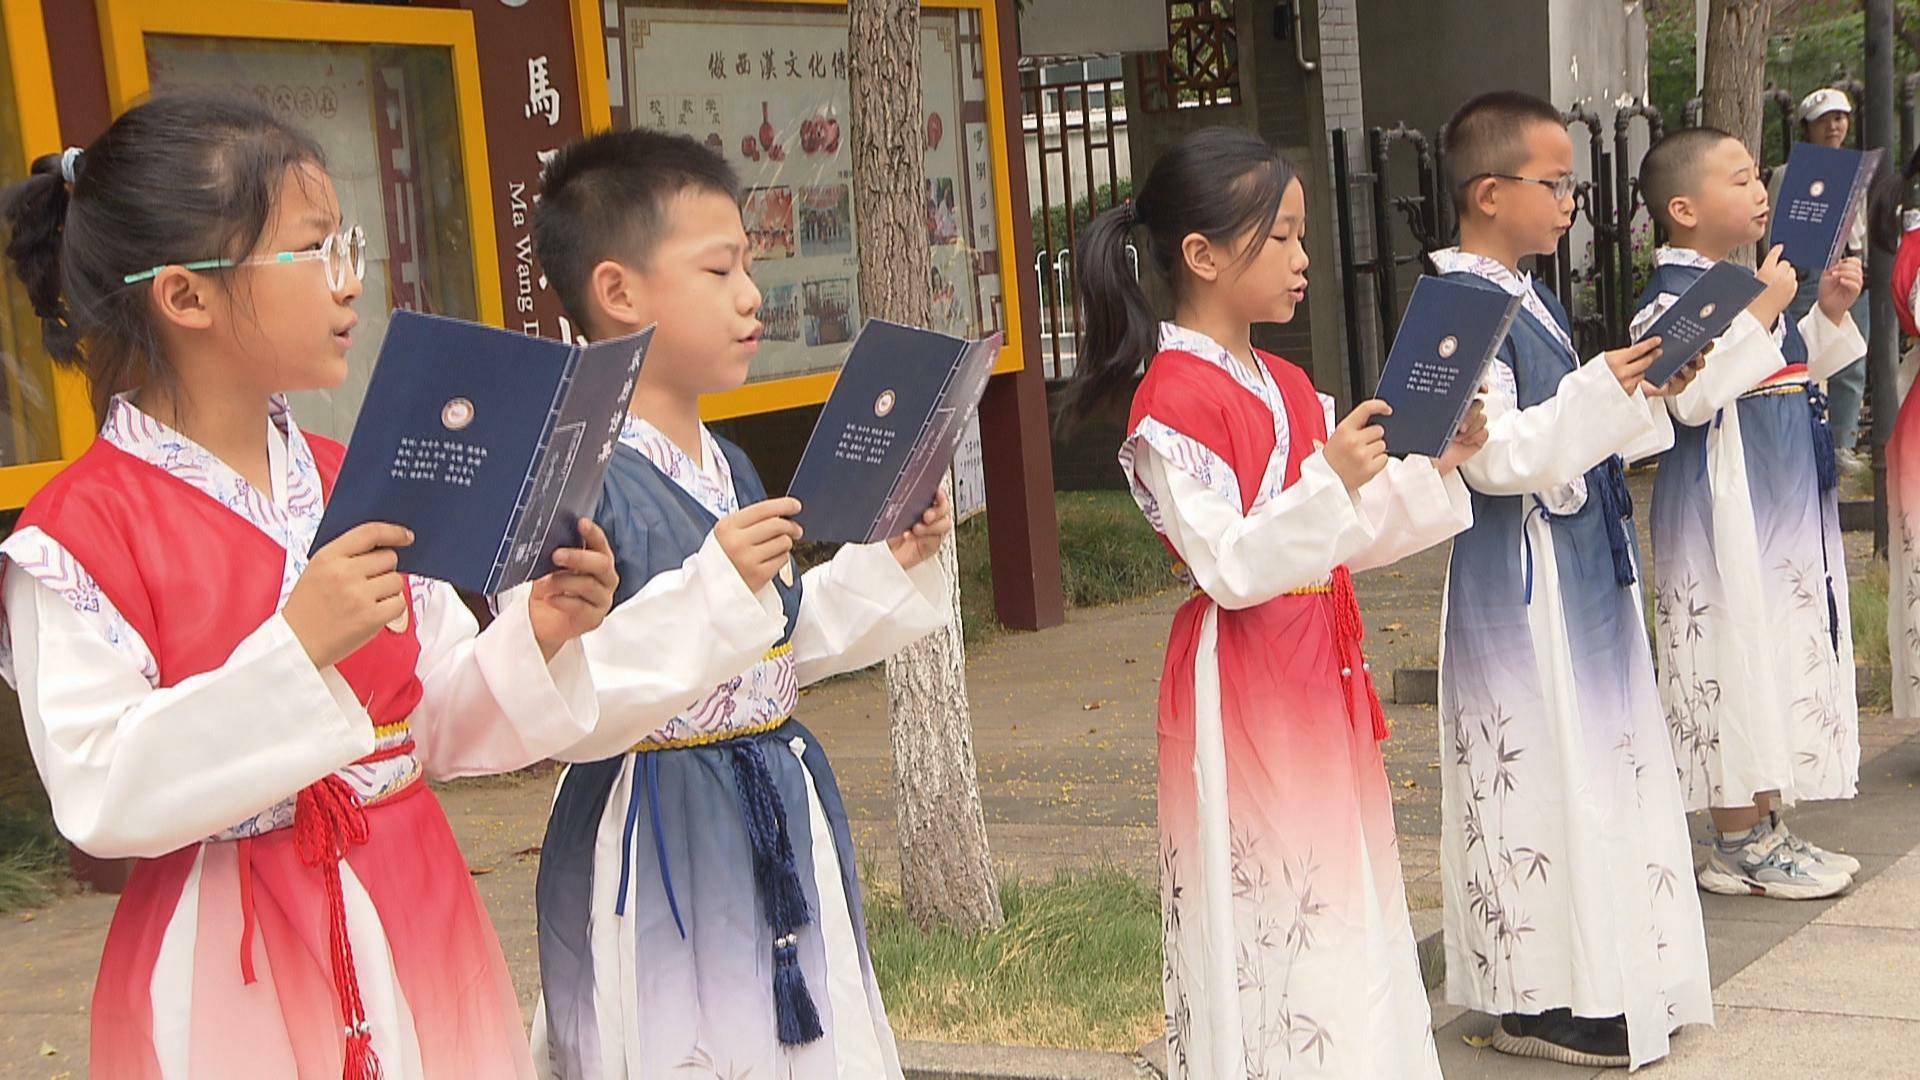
{"x": 181, "y": 178}
{"x": 1885, "y": 204}
{"x": 34, "y": 211}
{"x": 1222, "y": 183}
{"x": 1117, "y": 325}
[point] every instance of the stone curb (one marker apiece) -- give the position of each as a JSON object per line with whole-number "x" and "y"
{"x": 950, "y": 1061}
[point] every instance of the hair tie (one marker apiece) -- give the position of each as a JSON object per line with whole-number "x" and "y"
{"x": 1128, "y": 214}
{"x": 70, "y": 163}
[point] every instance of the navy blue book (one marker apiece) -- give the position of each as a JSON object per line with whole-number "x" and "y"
{"x": 889, "y": 431}
{"x": 1439, "y": 358}
{"x": 489, "y": 444}
{"x": 1702, "y": 313}
{"x": 1823, "y": 188}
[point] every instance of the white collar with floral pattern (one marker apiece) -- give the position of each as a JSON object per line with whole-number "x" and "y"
{"x": 710, "y": 483}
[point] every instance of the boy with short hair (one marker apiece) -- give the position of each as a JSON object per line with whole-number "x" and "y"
{"x": 1750, "y": 611}
{"x": 1563, "y": 845}
{"x": 698, "y": 895}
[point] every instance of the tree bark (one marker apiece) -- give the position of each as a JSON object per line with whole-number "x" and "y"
{"x": 946, "y": 875}
{"x": 1733, "y": 98}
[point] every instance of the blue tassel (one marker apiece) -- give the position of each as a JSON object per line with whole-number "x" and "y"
{"x": 793, "y": 1004}
{"x": 1833, "y": 617}
{"x": 775, "y": 874}
{"x": 776, "y": 877}
{"x": 1822, "y": 439}
{"x": 1608, "y": 480}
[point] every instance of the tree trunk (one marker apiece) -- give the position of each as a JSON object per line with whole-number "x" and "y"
{"x": 1734, "y": 98}
{"x": 945, "y": 872}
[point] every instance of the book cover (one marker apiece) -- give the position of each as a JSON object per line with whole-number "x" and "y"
{"x": 487, "y": 443}
{"x": 1702, "y": 313}
{"x": 1823, "y": 188}
{"x": 1439, "y": 359}
{"x": 888, "y": 431}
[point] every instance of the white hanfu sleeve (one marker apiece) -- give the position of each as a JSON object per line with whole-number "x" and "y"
{"x": 138, "y": 771}
{"x": 1546, "y": 449}
{"x": 1831, "y": 346}
{"x": 663, "y": 649}
{"x": 860, "y": 607}
{"x": 1408, "y": 508}
{"x": 1242, "y": 560}
{"x": 490, "y": 702}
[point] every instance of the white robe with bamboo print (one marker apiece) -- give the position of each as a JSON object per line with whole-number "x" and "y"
{"x": 1756, "y": 679}
{"x": 1288, "y": 952}
{"x": 1564, "y": 852}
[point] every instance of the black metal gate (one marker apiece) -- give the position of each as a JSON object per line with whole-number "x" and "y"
{"x": 1599, "y": 297}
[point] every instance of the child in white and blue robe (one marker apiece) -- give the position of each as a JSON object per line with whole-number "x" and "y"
{"x": 1751, "y": 622}
{"x": 1564, "y": 852}
{"x": 699, "y": 902}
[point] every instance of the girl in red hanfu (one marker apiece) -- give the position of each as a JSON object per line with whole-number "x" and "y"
{"x": 252, "y": 725}
{"x": 1897, "y": 229}
{"x": 1287, "y": 946}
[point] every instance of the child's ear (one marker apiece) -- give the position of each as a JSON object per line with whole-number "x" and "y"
{"x": 1483, "y": 195}
{"x": 1682, "y": 211}
{"x": 1200, "y": 257}
{"x": 614, "y": 290}
{"x": 180, "y": 296}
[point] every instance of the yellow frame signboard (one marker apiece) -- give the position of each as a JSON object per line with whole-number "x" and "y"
{"x": 786, "y": 392}
{"x": 26, "y": 38}
{"x": 125, "y": 25}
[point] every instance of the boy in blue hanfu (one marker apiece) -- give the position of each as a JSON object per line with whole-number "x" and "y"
{"x": 1750, "y": 609}
{"x": 698, "y": 897}
{"x": 1564, "y": 850}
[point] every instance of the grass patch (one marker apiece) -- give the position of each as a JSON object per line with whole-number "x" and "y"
{"x": 33, "y": 861}
{"x": 1077, "y": 965}
{"x": 1867, "y": 596}
{"x": 1108, "y": 554}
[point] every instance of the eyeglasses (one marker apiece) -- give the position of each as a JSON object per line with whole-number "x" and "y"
{"x": 1562, "y": 188}
{"x": 343, "y": 253}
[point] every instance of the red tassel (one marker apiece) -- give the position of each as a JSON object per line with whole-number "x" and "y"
{"x": 1348, "y": 632}
{"x": 244, "y": 850}
{"x": 327, "y": 821}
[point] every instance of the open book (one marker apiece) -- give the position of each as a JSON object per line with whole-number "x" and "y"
{"x": 1439, "y": 358}
{"x": 888, "y": 431}
{"x": 1823, "y": 189}
{"x": 1702, "y": 313}
{"x": 488, "y": 444}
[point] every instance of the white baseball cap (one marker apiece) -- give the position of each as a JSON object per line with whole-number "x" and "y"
{"x": 1824, "y": 101}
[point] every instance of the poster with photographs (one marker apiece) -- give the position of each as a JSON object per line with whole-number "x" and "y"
{"x": 767, "y": 214}
{"x": 826, "y": 220}
{"x": 780, "y": 314}
{"x": 767, "y": 88}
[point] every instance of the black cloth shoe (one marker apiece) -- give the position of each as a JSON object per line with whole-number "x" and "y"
{"x": 1558, "y": 1035}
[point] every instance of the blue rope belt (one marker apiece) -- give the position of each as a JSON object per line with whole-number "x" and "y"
{"x": 776, "y": 874}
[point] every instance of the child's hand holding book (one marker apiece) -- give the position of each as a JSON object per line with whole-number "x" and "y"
{"x": 758, "y": 539}
{"x": 1357, "y": 449}
{"x": 576, "y": 597}
{"x": 1839, "y": 287}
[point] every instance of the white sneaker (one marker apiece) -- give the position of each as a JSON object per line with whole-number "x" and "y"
{"x": 1832, "y": 860}
{"x": 1767, "y": 866}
